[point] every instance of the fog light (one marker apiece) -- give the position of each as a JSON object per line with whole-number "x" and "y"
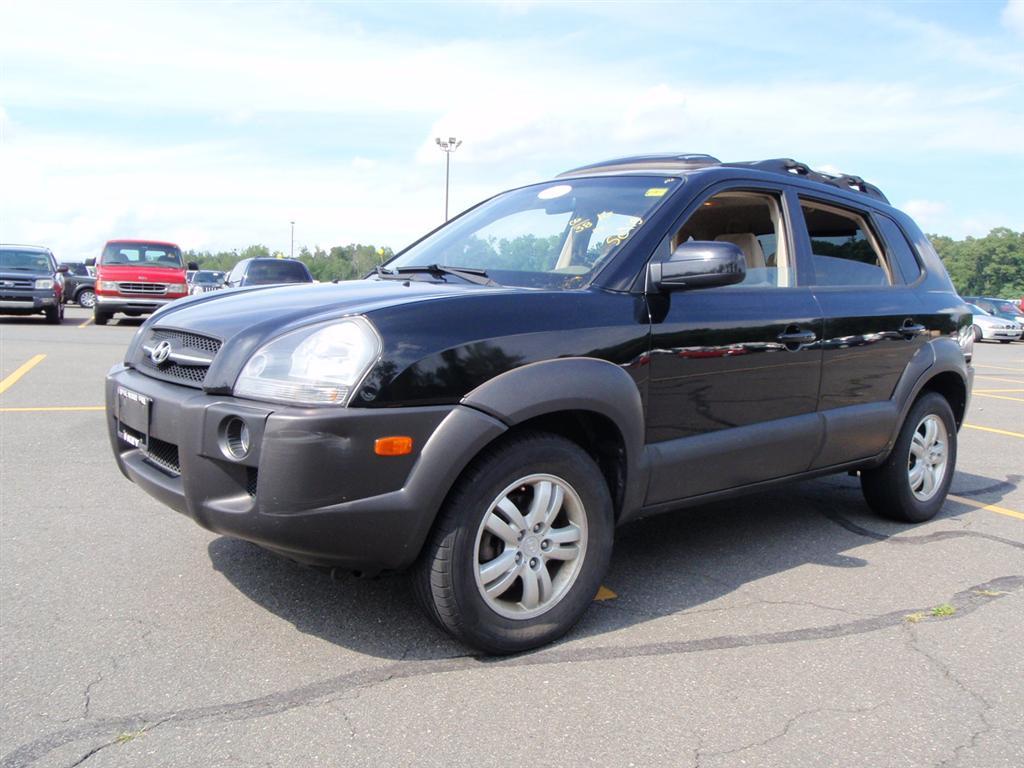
{"x": 236, "y": 439}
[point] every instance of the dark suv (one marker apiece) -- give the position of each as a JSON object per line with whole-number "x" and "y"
{"x": 630, "y": 338}
{"x": 79, "y": 286}
{"x": 31, "y": 283}
{"x": 267, "y": 272}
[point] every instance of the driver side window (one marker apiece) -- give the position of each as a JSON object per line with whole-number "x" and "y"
{"x": 752, "y": 221}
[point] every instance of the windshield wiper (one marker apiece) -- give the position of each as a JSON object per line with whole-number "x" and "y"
{"x": 469, "y": 274}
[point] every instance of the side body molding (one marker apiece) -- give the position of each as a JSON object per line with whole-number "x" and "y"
{"x": 574, "y": 384}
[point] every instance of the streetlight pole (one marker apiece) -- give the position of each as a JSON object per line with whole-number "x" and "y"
{"x": 293, "y": 239}
{"x": 448, "y": 147}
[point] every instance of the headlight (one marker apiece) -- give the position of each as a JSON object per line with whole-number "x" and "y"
{"x": 108, "y": 285}
{"x": 44, "y": 284}
{"x": 320, "y": 365}
{"x": 177, "y": 288}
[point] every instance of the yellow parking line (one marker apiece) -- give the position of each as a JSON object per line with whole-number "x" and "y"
{"x": 999, "y": 368}
{"x": 1001, "y": 378}
{"x": 987, "y": 507}
{"x": 995, "y": 431}
{"x": 24, "y": 368}
{"x": 87, "y": 322}
{"x": 999, "y": 390}
{"x": 54, "y": 408}
{"x": 1000, "y": 397}
{"x": 604, "y": 594}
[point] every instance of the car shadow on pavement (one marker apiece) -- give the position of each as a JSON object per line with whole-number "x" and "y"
{"x": 665, "y": 565}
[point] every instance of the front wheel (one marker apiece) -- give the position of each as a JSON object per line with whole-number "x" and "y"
{"x": 978, "y": 335}
{"x": 100, "y": 318}
{"x": 86, "y": 298}
{"x": 55, "y": 315}
{"x": 520, "y": 547}
{"x": 912, "y": 484}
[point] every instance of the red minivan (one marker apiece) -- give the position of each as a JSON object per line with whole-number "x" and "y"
{"x": 136, "y": 277}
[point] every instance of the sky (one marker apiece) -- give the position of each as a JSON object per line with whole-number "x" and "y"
{"x": 215, "y": 125}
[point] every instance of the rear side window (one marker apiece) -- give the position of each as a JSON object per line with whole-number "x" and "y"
{"x": 899, "y": 249}
{"x": 279, "y": 271}
{"x": 844, "y": 250}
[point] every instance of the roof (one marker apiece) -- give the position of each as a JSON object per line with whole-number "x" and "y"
{"x": 40, "y": 248}
{"x": 688, "y": 162}
{"x": 146, "y": 242}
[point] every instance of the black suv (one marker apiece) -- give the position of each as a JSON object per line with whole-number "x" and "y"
{"x": 630, "y": 338}
{"x": 267, "y": 272}
{"x": 79, "y": 286}
{"x": 31, "y": 283}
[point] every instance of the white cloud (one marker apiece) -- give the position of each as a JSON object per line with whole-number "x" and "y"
{"x": 1013, "y": 16}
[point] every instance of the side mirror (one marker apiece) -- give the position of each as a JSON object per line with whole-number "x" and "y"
{"x": 63, "y": 269}
{"x": 90, "y": 262}
{"x": 193, "y": 266}
{"x": 699, "y": 264}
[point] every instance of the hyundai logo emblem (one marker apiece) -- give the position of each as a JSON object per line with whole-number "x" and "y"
{"x": 160, "y": 352}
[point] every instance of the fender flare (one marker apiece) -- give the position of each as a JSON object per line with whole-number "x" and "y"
{"x": 573, "y": 384}
{"x": 940, "y": 356}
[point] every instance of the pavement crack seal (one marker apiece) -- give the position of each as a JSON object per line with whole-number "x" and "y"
{"x": 967, "y": 602}
{"x": 927, "y": 538}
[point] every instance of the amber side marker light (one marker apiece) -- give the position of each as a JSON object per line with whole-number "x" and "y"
{"x": 392, "y": 446}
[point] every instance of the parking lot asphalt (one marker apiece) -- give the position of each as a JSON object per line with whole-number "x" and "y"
{"x": 789, "y": 628}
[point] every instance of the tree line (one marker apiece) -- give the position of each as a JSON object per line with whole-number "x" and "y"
{"x": 979, "y": 266}
{"x": 341, "y": 262}
{"x": 985, "y": 266}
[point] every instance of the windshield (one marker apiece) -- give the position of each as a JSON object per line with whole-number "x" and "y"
{"x": 1006, "y": 307}
{"x": 208, "y": 277}
{"x": 142, "y": 255}
{"x": 555, "y": 235}
{"x": 976, "y": 310}
{"x": 27, "y": 261}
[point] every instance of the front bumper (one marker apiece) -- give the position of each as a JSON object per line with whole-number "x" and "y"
{"x": 1009, "y": 334}
{"x": 15, "y": 302}
{"x": 140, "y": 305}
{"x": 311, "y": 486}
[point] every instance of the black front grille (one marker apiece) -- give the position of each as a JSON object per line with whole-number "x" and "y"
{"x": 183, "y": 342}
{"x": 17, "y": 283}
{"x": 163, "y": 455}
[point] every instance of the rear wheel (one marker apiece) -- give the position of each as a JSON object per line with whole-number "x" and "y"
{"x": 100, "y": 318}
{"x": 520, "y": 547}
{"x": 86, "y": 298}
{"x": 1005, "y": 341}
{"x": 978, "y": 335}
{"x": 912, "y": 484}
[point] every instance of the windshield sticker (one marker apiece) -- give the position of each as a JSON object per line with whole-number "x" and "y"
{"x": 552, "y": 192}
{"x": 656, "y": 192}
{"x": 622, "y": 234}
{"x": 580, "y": 224}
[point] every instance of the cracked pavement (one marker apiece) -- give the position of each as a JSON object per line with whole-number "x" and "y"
{"x": 767, "y": 631}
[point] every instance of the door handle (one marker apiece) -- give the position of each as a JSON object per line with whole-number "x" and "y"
{"x": 793, "y": 336}
{"x": 911, "y": 329}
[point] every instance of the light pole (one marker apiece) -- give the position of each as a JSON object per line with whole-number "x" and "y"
{"x": 293, "y": 239}
{"x": 448, "y": 147}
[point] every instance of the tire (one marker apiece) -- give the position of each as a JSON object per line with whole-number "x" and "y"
{"x": 55, "y": 315}
{"x": 100, "y": 318}
{"x": 448, "y": 579}
{"x": 890, "y": 488}
{"x": 86, "y": 298}
{"x": 1005, "y": 341}
{"x": 978, "y": 335}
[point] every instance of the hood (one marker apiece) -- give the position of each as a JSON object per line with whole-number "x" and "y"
{"x": 136, "y": 272}
{"x": 246, "y": 318}
{"x": 24, "y": 274}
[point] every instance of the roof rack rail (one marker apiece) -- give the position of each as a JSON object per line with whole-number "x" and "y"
{"x": 680, "y": 161}
{"x": 788, "y": 166}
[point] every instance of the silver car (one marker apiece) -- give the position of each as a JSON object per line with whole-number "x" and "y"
{"x": 991, "y": 328}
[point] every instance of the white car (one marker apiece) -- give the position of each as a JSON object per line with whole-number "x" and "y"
{"x": 989, "y": 327}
